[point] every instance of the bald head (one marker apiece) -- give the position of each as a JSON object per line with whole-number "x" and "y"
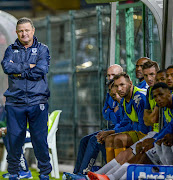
{"x": 113, "y": 70}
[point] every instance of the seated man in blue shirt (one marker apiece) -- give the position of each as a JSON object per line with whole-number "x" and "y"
{"x": 131, "y": 127}
{"x": 89, "y": 147}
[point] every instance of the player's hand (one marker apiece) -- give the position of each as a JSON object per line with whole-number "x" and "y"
{"x": 168, "y": 140}
{"x": 99, "y": 137}
{"x": 116, "y": 109}
{"x": 159, "y": 142}
{"x": 11, "y": 61}
{"x": 147, "y": 148}
{"x": 147, "y": 142}
{"x": 32, "y": 66}
{"x": 139, "y": 147}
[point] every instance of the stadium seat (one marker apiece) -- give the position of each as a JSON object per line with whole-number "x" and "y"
{"x": 3, "y": 163}
{"x": 52, "y": 129}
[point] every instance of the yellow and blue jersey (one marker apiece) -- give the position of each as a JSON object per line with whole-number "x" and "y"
{"x": 135, "y": 106}
{"x": 168, "y": 123}
{"x": 142, "y": 85}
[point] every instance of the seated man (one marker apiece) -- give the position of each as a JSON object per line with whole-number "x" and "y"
{"x": 131, "y": 127}
{"x": 114, "y": 170}
{"x": 139, "y": 74}
{"x": 161, "y": 76}
{"x": 89, "y": 147}
{"x": 151, "y": 112}
{"x": 169, "y": 77}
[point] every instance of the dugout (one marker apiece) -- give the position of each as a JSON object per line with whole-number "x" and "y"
{"x": 79, "y": 43}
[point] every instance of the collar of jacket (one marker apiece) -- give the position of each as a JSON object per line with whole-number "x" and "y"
{"x": 18, "y": 44}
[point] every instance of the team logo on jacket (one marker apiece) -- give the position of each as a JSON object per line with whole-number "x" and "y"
{"x": 16, "y": 51}
{"x": 42, "y": 107}
{"x": 34, "y": 51}
{"x": 137, "y": 99}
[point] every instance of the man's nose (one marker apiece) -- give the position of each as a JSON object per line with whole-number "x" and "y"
{"x": 111, "y": 77}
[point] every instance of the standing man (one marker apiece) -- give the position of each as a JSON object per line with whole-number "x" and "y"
{"x": 26, "y": 63}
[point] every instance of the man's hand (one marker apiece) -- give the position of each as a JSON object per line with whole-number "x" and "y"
{"x": 139, "y": 147}
{"x": 116, "y": 109}
{"x": 32, "y": 66}
{"x": 147, "y": 144}
{"x": 168, "y": 140}
{"x": 101, "y": 136}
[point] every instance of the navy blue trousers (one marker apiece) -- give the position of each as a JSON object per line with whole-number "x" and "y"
{"x": 87, "y": 153}
{"x": 17, "y": 118}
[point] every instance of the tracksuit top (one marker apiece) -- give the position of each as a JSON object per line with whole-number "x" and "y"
{"x": 32, "y": 87}
{"x": 142, "y": 85}
{"x": 108, "y": 113}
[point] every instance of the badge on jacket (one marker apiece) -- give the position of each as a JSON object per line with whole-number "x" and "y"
{"x": 42, "y": 107}
{"x": 34, "y": 51}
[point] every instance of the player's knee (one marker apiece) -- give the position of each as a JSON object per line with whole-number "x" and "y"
{"x": 109, "y": 141}
{"x": 118, "y": 143}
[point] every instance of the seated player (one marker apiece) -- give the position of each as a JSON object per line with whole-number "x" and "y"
{"x": 139, "y": 74}
{"x": 131, "y": 127}
{"x": 114, "y": 170}
{"x": 89, "y": 147}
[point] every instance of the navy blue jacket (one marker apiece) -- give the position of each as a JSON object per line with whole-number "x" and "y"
{"x": 31, "y": 87}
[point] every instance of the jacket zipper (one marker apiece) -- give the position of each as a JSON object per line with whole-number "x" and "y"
{"x": 26, "y": 81}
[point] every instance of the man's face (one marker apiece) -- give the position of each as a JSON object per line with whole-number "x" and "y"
{"x": 113, "y": 93}
{"x": 139, "y": 64}
{"x": 150, "y": 76}
{"x": 161, "y": 96}
{"x": 25, "y": 33}
{"x": 112, "y": 71}
{"x": 161, "y": 77}
{"x": 169, "y": 78}
{"x": 122, "y": 86}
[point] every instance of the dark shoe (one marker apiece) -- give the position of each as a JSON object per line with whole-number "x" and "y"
{"x": 44, "y": 177}
{"x": 14, "y": 177}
